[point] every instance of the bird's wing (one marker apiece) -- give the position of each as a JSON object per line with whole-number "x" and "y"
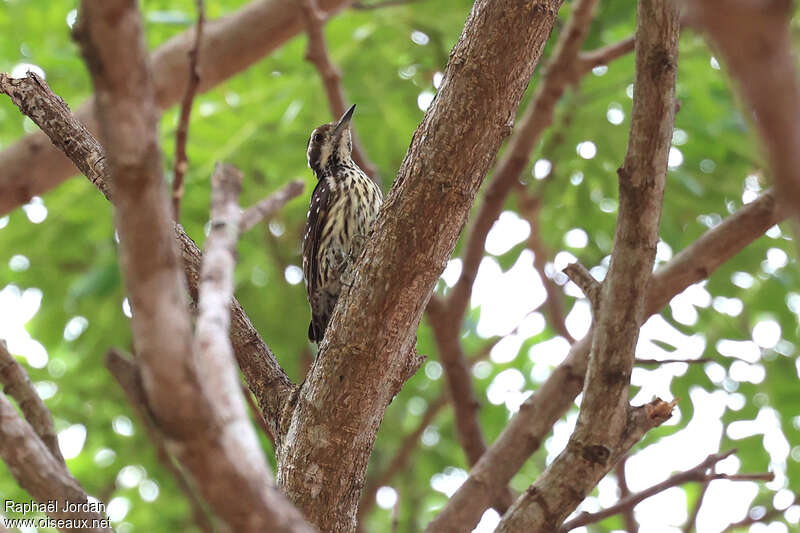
{"x": 317, "y": 215}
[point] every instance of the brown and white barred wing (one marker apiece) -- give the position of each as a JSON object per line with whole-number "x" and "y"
{"x": 317, "y": 216}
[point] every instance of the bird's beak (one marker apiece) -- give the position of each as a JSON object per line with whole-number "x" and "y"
{"x": 344, "y": 122}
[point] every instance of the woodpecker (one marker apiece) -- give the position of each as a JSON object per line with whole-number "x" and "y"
{"x": 343, "y": 207}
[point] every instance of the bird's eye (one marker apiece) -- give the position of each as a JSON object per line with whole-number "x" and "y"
{"x": 317, "y": 138}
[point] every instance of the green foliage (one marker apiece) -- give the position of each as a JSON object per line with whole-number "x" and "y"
{"x": 260, "y": 119}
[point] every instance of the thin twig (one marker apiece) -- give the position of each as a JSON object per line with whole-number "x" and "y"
{"x": 256, "y": 412}
{"x": 581, "y": 277}
{"x": 380, "y": 5}
{"x": 769, "y": 515}
{"x": 605, "y": 54}
{"x": 692, "y": 520}
{"x": 699, "y": 473}
{"x": 700, "y": 360}
{"x": 269, "y": 205}
{"x": 631, "y": 525}
{"x": 317, "y": 54}
{"x": 181, "y": 137}
{"x": 17, "y": 384}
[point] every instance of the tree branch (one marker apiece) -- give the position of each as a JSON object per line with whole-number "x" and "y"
{"x": 264, "y": 376}
{"x": 317, "y": 54}
{"x": 32, "y": 166}
{"x": 44, "y": 477}
{"x": 17, "y": 384}
{"x": 712, "y": 249}
{"x": 755, "y": 41}
{"x": 526, "y": 431}
{"x": 604, "y": 414}
{"x": 699, "y": 473}
{"x": 125, "y": 371}
{"x": 369, "y": 346}
{"x": 447, "y": 316}
{"x": 410, "y": 442}
{"x": 581, "y": 277}
{"x": 459, "y": 385}
{"x": 212, "y": 436}
{"x": 559, "y": 73}
{"x": 631, "y": 525}
{"x": 691, "y": 522}
{"x": 182, "y": 135}
{"x": 604, "y": 55}
{"x": 607, "y": 426}
{"x": 554, "y": 306}
{"x": 253, "y": 215}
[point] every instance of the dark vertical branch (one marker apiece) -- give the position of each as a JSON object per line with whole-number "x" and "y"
{"x": 181, "y": 137}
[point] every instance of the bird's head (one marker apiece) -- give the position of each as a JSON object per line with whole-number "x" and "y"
{"x": 330, "y": 144}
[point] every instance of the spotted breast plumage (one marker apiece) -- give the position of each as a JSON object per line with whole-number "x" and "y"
{"x": 343, "y": 207}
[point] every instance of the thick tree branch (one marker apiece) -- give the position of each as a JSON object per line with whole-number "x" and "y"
{"x": 528, "y": 428}
{"x": 264, "y": 376}
{"x": 190, "y": 384}
{"x": 44, "y": 477}
{"x": 607, "y": 426}
{"x": 369, "y": 346}
{"x": 17, "y": 384}
{"x": 254, "y": 214}
{"x": 317, "y": 54}
{"x": 34, "y": 98}
{"x": 700, "y": 473}
{"x": 755, "y": 41}
{"x": 447, "y": 316}
{"x": 230, "y": 44}
{"x": 182, "y": 135}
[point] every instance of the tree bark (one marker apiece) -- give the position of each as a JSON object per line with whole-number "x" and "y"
{"x": 264, "y": 376}
{"x": 190, "y": 381}
{"x": 369, "y": 351}
{"x": 607, "y": 425}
